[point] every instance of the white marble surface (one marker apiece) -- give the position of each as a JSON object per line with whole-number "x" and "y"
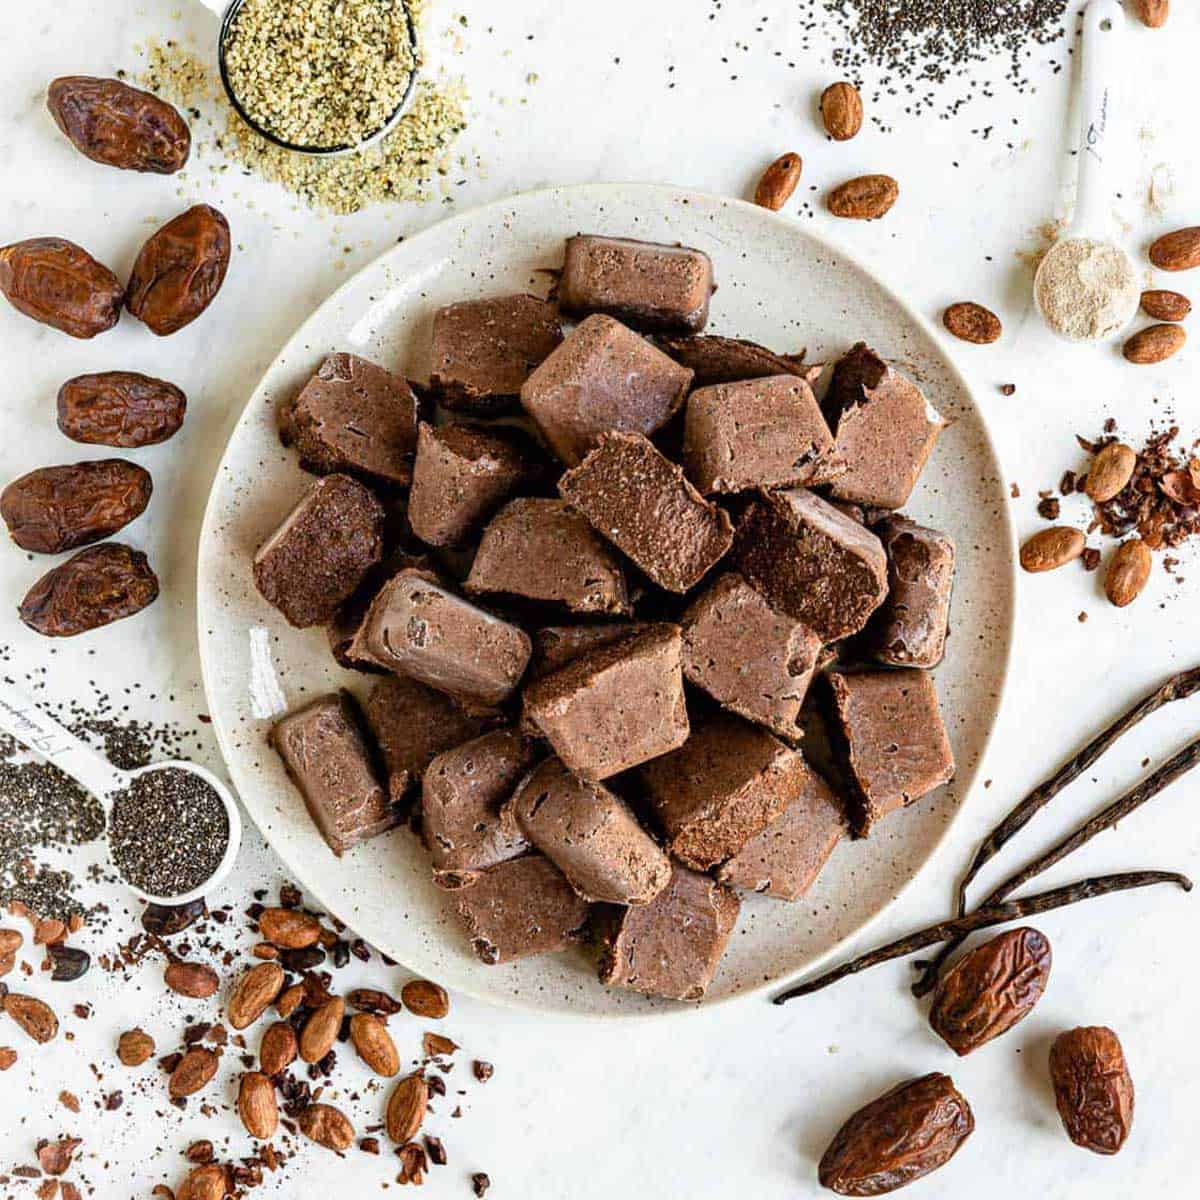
{"x": 741, "y": 1100}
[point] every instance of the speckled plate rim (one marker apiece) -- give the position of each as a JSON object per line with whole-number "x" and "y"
{"x": 653, "y": 193}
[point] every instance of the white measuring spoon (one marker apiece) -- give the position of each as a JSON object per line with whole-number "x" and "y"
{"x": 1102, "y": 66}
{"x": 227, "y": 10}
{"x": 21, "y": 718}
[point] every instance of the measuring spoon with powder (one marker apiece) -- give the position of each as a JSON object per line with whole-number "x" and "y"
{"x": 1086, "y": 287}
{"x": 173, "y": 827}
{"x": 318, "y": 77}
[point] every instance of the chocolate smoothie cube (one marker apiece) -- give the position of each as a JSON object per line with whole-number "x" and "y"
{"x": 462, "y": 476}
{"x": 354, "y": 416}
{"x": 465, "y": 820}
{"x": 615, "y": 706}
{"x": 326, "y": 755}
{"x": 672, "y": 946}
{"x": 885, "y": 430}
{"x": 591, "y": 835}
{"x": 484, "y": 350}
{"x": 750, "y": 657}
{"x": 417, "y": 627}
{"x": 413, "y": 724}
{"x": 785, "y": 859}
{"x": 347, "y": 621}
{"x": 909, "y": 629}
{"x": 321, "y": 553}
{"x": 556, "y": 645}
{"x": 725, "y": 785}
{"x": 545, "y": 550}
{"x": 761, "y": 433}
{"x": 812, "y": 562}
{"x": 888, "y": 732}
{"x": 664, "y": 289}
{"x": 644, "y": 505}
{"x": 603, "y": 377}
{"x": 729, "y": 360}
{"x": 521, "y": 908}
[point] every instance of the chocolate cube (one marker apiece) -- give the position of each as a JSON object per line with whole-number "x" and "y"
{"x": 465, "y": 821}
{"x": 326, "y": 755}
{"x": 323, "y": 550}
{"x": 752, "y": 658}
{"x": 521, "y": 908}
{"x": 591, "y": 835}
{"x": 484, "y": 350}
{"x": 785, "y": 859}
{"x": 671, "y": 947}
{"x": 812, "y": 562}
{"x": 603, "y": 377}
{"x": 645, "y": 506}
{"x": 885, "y": 430}
{"x": 761, "y": 433}
{"x": 355, "y": 417}
{"x": 462, "y": 476}
{"x": 729, "y": 360}
{"x": 615, "y": 706}
{"x": 649, "y": 286}
{"x": 545, "y": 550}
{"x": 887, "y": 730}
{"x": 556, "y": 645}
{"x": 725, "y": 785}
{"x": 909, "y": 629}
{"x": 413, "y": 724}
{"x": 417, "y": 627}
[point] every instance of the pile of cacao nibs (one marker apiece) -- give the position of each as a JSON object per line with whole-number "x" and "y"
{"x": 1148, "y": 500}
{"x": 271, "y": 968}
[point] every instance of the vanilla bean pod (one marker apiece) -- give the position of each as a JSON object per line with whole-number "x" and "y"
{"x": 1154, "y": 783}
{"x": 985, "y": 918}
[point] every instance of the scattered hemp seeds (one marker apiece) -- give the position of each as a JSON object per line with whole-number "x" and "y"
{"x": 168, "y": 832}
{"x": 324, "y": 74}
{"x": 398, "y": 167}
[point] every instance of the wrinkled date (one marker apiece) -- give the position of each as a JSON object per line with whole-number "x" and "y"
{"x": 54, "y": 509}
{"x": 96, "y": 587}
{"x": 120, "y": 408}
{"x": 990, "y": 989}
{"x": 60, "y": 284}
{"x": 118, "y": 125}
{"x": 895, "y": 1140}
{"x": 1092, "y": 1088}
{"x": 180, "y": 270}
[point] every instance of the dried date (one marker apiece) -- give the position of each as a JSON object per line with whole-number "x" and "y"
{"x": 120, "y": 126}
{"x": 120, "y": 408}
{"x": 990, "y": 989}
{"x": 1092, "y": 1088}
{"x": 895, "y": 1140}
{"x": 60, "y": 284}
{"x": 180, "y": 270}
{"x": 96, "y": 587}
{"x": 54, "y": 509}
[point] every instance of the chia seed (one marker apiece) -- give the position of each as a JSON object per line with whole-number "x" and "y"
{"x": 168, "y": 832}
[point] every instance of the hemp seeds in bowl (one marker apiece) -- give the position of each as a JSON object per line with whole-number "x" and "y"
{"x": 319, "y": 75}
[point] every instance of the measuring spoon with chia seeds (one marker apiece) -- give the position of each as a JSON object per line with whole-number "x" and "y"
{"x": 30, "y": 725}
{"x": 228, "y": 11}
{"x": 1102, "y": 65}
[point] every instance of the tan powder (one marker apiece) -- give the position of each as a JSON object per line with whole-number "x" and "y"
{"x": 1086, "y": 289}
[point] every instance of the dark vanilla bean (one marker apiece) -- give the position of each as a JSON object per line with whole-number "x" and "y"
{"x": 985, "y": 918}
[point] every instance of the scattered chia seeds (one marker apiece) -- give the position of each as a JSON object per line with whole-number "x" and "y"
{"x": 168, "y": 832}
{"x": 324, "y": 74}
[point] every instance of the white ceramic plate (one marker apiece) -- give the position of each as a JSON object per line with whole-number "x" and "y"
{"x": 779, "y": 285}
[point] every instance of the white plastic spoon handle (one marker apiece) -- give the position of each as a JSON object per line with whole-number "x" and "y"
{"x": 21, "y": 718}
{"x": 217, "y": 6}
{"x": 1103, "y": 25}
